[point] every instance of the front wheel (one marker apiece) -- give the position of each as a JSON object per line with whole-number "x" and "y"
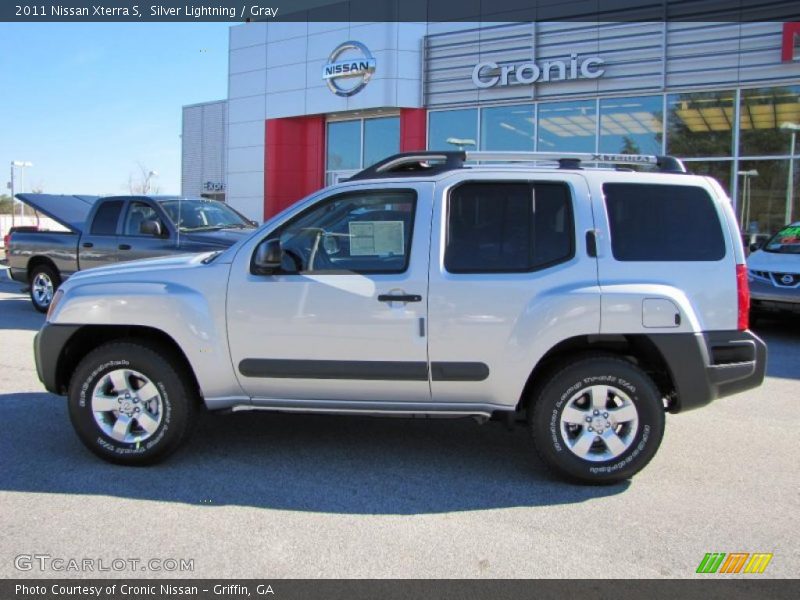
{"x": 44, "y": 282}
{"x": 598, "y": 421}
{"x": 130, "y": 403}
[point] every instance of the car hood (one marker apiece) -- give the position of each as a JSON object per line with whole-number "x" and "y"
{"x": 774, "y": 261}
{"x": 219, "y": 237}
{"x": 150, "y": 265}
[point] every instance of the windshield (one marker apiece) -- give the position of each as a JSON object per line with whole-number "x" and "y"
{"x": 786, "y": 241}
{"x": 203, "y": 214}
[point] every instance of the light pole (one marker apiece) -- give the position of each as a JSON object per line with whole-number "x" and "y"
{"x": 745, "y": 218}
{"x": 794, "y": 128}
{"x": 150, "y": 175}
{"x": 22, "y": 164}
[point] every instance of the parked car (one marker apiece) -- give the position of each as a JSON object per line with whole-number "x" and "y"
{"x": 102, "y": 231}
{"x": 589, "y": 301}
{"x": 774, "y": 271}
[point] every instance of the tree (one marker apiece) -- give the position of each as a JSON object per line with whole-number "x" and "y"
{"x": 141, "y": 183}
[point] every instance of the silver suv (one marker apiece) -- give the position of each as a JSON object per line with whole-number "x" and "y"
{"x": 589, "y": 301}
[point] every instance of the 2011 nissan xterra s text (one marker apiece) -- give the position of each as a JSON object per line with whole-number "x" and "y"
{"x": 591, "y": 301}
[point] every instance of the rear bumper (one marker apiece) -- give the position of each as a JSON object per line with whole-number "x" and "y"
{"x": 710, "y": 365}
{"x": 20, "y": 275}
{"x": 48, "y": 347}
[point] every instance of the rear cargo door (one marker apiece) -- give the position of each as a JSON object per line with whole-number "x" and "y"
{"x": 668, "y": 233}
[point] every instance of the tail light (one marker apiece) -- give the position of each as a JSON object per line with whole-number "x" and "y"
{"x": 743, "y": 297}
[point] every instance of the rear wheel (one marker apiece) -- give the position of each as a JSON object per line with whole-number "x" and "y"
{"x": 131, "y": 404}
{"x": 599, "y": 420}
{"x": 44, "y": 282}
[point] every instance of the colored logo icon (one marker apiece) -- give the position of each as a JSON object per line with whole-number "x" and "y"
{"x": 734, "y": 563}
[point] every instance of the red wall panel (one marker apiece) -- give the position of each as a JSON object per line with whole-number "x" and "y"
{"x": 294, "y": 160}
{"x": 413, "y": 125}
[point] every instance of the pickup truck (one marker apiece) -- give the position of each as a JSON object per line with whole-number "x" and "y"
{"x": 101, "y": 231}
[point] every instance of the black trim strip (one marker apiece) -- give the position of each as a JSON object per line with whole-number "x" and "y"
{"x": 334, "y": 369}
{"x": 362, "y": 369}
{"x": 459, "y": 371}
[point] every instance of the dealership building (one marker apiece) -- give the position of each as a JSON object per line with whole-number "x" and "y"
{"x": 311, "y": 103}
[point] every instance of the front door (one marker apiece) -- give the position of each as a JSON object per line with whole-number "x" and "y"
{"x": 135, "y": 245}
{"x": 344, "y": 318}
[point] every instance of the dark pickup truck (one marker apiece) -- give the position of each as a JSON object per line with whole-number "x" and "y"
{"x": 101, "y": 231}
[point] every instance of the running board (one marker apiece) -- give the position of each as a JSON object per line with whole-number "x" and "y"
{"x": 349, "y": 407}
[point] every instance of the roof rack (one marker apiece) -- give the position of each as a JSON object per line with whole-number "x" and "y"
{"x": 431, "y": 162}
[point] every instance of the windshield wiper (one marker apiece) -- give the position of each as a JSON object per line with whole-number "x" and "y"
{"x": 203, "y": 228}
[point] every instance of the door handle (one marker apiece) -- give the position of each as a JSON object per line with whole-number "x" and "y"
{"x": 124, "y": 246}
{"x": 88, "y": 245}
{"x": 399, "y": 298}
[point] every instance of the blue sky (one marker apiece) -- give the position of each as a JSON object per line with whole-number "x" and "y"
{"x": 85, "y": 102}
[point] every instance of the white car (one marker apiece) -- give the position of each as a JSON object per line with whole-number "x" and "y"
{"x": 774, "y": 272}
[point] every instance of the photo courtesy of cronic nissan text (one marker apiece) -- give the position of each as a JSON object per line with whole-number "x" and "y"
{"x": 399, "y": 299}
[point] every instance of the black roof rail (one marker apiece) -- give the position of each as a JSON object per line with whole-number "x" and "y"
{"x": 423, "y": 162}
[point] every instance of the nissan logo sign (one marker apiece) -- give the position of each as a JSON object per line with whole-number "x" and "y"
{"x": 357, "y": 70}
{"x": 489, "y": 74}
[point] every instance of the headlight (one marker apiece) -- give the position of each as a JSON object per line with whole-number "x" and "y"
{"x": 54, "y": 302}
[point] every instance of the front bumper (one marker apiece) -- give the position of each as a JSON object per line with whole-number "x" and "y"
{"x": 710, "y": 365}
{"x": 766, "y": 297}
{"x": 48, "y": 349}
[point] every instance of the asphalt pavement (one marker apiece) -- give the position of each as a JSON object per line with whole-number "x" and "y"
{"x": 262, "y": 495}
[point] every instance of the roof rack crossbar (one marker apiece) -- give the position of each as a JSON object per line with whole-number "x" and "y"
{"x": 432, "y": 162}
{"x": 571, "y": 160}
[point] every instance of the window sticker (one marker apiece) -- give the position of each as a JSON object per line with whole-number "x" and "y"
{"x": 376, "y": 238}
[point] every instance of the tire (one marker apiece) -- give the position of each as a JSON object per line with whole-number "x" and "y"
{"x": 44, "y": 281}
{"x": 139, "y": 427}
{"x": 570, "y": 444}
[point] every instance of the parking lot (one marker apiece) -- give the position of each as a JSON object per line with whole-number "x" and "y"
{"x": 271, "y": 496}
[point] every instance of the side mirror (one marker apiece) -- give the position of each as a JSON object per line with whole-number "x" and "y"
{"x": 151, "y": 227}
{"x": 267, "y": 257}
{"x": 755, "y": 246}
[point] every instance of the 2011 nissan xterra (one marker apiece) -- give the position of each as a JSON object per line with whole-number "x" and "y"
{"x": 591, "y": 301}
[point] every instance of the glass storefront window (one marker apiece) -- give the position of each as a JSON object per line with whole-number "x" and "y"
{"x": 567, "y": 126}
{"x": 762, "y": 206}
{"x": 700, "y": 124}
{"x": 762, "y": 112}
{"x": 631, "y": 125}
{"x": 508, "y": 128}
{"x": 381, "y": 139}
{"x": 344, "y": 145}
{"x": 720, "y": 170}
{"x": 453, "y": 129}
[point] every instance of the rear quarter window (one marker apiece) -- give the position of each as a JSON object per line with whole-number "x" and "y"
{"x": 651, "y": 222}
{"x": 105, "y": 220}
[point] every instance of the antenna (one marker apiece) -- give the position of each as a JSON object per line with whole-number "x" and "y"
{"x": 178, "y": 224}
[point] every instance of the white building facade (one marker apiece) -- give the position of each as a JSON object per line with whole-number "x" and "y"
{"x": 310, "y": 103}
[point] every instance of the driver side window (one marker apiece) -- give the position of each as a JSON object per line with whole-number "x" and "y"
{"x": 359, "y": 232}
{"x": 138, "y": 213}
